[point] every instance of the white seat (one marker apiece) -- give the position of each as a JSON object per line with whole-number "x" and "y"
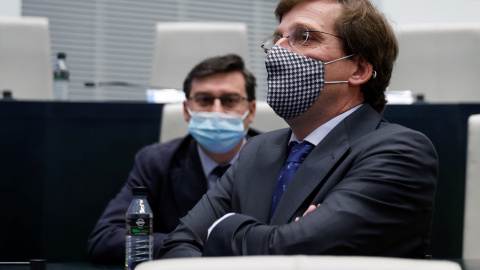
{"x": 179, "y": 46}
{"x": 174, "y": 126}
{"x": 440, "y": 61}
{"x": 266, "y": 119}
{"x": 471, "y": 227}
{"x": 25, "y": 59}
{"x": 298, "y": 262}
{"x": 173, "y": 123}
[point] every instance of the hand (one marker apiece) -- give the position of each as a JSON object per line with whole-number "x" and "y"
{"x": 309, "y": 209}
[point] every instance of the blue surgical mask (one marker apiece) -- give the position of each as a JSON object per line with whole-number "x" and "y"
{"x": 217, "y": 132}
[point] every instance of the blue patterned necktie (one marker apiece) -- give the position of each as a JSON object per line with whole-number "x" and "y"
{"x": 297, "y": 154}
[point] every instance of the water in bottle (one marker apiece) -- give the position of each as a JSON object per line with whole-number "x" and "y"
{"x": 61, "y": 77}
{"x": 139, "y": 225}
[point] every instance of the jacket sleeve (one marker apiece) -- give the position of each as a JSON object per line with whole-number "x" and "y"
{"x": 382, "y": 206}
{"x": 106, "y": 243}
{"x": 188, "y": 239}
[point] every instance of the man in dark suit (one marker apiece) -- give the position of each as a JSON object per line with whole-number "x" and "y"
{"x": 341, "y": 180}
{"x": 220, "y": 93}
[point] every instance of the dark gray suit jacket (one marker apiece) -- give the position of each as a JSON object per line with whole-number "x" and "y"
{"x": 375, "y": 182}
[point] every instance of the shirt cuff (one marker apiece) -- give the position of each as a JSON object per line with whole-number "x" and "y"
{"x": 218, "y": 221}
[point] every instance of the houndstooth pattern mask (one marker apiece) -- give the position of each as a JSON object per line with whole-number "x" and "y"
{"x": 294, "y": 81}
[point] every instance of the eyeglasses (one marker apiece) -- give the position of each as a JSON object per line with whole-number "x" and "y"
{"x": 230, "y": 102}
{"x": 298, "y": 36}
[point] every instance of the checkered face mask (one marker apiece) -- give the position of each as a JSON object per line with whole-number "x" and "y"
{"x": 294, "y": 81}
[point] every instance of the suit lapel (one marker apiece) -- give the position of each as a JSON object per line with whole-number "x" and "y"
{"x": 268, "y": 162}
{"x": 187, "y": 178}
{"x": 313, "y": 173}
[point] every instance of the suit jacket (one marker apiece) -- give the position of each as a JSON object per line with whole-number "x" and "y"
{"x": 375, "y": 182}
{"x": 174, "y": 176}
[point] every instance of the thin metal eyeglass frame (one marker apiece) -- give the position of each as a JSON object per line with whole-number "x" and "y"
{"x": 222, "y": 104}
{"x": 271, "y": 39}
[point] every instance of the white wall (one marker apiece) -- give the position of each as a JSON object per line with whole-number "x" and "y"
{"x": 10, "y": 7}
{"x": 430, "y": 11}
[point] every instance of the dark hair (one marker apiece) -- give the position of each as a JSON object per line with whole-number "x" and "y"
{"x": 367, "y": 32}
{"x": 219, "y": 64}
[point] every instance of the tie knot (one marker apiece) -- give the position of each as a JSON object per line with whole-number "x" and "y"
{"x": 220, "y": 170}
{"x": 299, "y": 152}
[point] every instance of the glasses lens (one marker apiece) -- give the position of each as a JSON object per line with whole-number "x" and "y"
{"x": 298, "y": 36}
{"x": 203, "y": 101}
{"x": 269, "y": 42}
{"x": 229, "y": 102}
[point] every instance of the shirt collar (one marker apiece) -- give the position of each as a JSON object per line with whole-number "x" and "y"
{"x": 322, "y": 131}
{"x": 209, "y": 164}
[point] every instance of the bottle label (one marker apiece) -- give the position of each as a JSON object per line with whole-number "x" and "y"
{"x": 139, "y": 226}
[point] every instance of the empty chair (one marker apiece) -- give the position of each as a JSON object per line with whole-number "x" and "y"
{"x": 173, "y": 123}
{"x": 25, "y": 60}
{"x": 471, "y": 226}
{"x": 266, "y": 119}
{"x": 440, "y": 61}
{"x": 179, "y": 46}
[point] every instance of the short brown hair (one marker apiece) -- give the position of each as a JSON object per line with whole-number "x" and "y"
{"x": 220, "y": 64}
{"x": 367, "y": 32}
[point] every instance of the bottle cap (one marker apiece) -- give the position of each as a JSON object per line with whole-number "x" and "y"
{"x": 61, "y": 55}
{"x": 7, "y": 94}
{"x": 140, "y": 190}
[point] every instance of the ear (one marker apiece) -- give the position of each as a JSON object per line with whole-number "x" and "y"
{"x": 363, "y": 71}
{"x": 253, "y": 108}
{"x": 186, "y": 115}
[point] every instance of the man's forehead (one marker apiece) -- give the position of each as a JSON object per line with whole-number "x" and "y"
{"x": 317, "y": 15}
{"x": 224, "y": 82}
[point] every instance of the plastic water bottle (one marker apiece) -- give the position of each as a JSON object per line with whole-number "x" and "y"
{"x": 61, "y": 76}
{"x": 139, "y": 225}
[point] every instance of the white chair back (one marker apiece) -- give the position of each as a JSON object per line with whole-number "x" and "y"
{"x": 471, "y": 226}
{"x": 179, "y": 46}
{"x": 266, "y": 119}
{"x": 25, "y": 59}
{"x": 298, "y": 262}
{"x": 440, "y": 61}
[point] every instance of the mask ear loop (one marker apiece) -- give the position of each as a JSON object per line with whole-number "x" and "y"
{"x": 246, "y": 114}
{"x": 341, "y": 58}
{"x": 189, "y": 111}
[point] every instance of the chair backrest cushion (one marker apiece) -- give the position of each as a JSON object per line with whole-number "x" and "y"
{"x": 471, "y": 225}
{"x": 25, "y": 59}
{"x": 440, "y": 61}
{"x": 298, "y": 262}
{"x": 179, "y": 46}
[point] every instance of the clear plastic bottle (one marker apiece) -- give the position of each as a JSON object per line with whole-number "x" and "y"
{"x": 61, "y": 77}
{"x": 139, "y": 225}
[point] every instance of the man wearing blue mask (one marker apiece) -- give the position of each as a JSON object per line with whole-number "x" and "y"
{"x": 341, "y": 180}
{"x": 220, "y": 105}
